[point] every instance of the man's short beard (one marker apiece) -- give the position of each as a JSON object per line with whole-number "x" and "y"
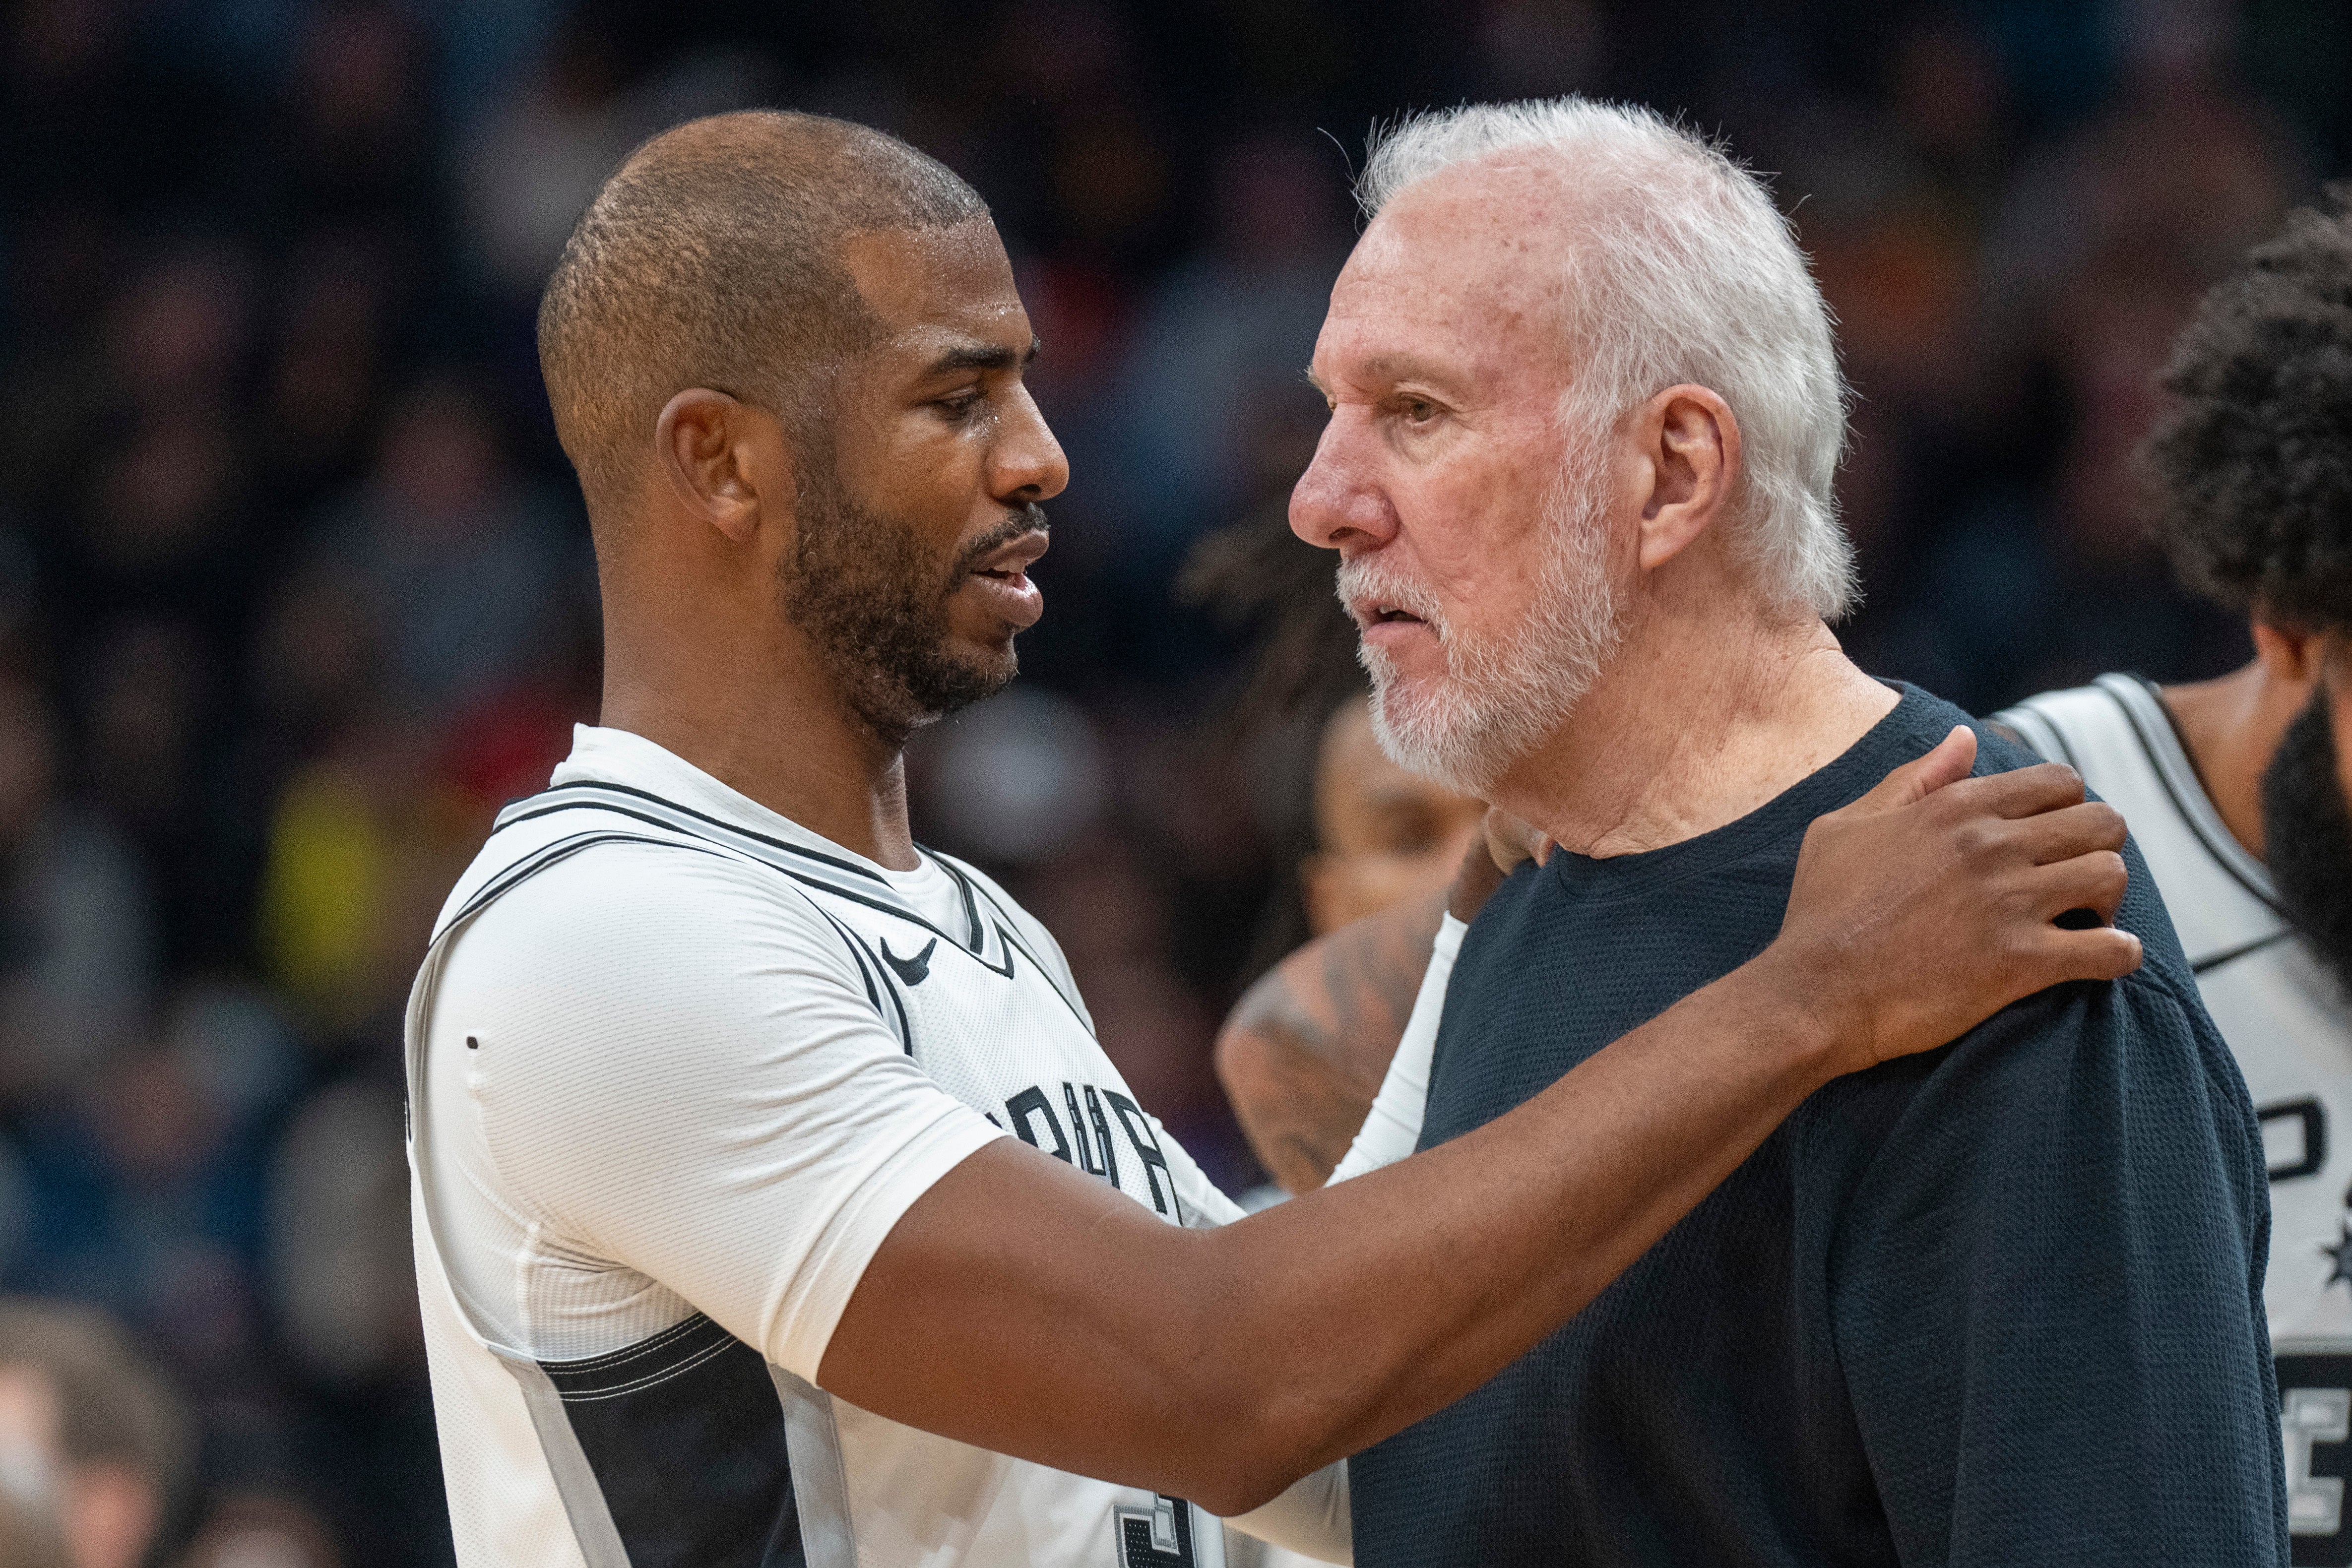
{"x": 2308, "y": 835}
{"x": 874, "y": 603}
{"x": 1503, "y": 693}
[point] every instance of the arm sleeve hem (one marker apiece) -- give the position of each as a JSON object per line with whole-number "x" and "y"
{"x": 857, "y": 1229}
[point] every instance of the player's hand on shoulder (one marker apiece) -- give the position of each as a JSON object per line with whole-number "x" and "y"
{"x": 1932, "y": 902}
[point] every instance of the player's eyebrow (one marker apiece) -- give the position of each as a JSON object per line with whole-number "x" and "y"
{"x": 1315, "y": 381}
{"x": 982, "y": 357}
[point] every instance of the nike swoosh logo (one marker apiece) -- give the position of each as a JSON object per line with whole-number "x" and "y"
{"x": 911, "y": 971}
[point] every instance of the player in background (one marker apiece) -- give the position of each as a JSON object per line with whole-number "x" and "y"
{"x": 1371, "y": 848}
{"x": 774, "y": 1201}
{"x": 2236, "y": 789}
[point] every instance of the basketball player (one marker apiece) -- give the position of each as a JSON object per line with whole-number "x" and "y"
{"x": 774, "y": 1202}
{"x": 2235, "y": 789}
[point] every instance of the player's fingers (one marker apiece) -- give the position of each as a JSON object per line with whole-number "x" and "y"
{"x": 2019, "y": 792}
{"x": 1922, "y": 776}
{"x": 2056, "y": 835}
{"x": 2094, "y": 881}
{"x": 2053, "y": 957}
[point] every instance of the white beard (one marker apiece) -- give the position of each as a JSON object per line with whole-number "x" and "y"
{"x": 1501, "y": 695}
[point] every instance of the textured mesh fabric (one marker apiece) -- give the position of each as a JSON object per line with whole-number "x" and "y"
{"x": 1996, "y": 1304}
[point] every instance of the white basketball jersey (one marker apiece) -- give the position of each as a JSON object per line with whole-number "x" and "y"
{"x": 676, "y": 1066}
{"x": 2290, "y": 1026}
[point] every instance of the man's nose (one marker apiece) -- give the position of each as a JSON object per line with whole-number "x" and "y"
{"x": 1334, "y": 505}
{"x": 1027, "y": 461}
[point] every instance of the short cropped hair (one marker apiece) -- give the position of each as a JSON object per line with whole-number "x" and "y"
{"x": 1682, "y": 270}
{"x": 712, "y": 257}
{"x": 2251, "y": 465}
{"x": 115, "y": 1409}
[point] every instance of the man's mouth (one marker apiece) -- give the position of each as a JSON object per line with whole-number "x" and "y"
{"x": 1005, "y": 573}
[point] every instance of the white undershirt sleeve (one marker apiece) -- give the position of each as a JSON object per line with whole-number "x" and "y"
{"x": 1392, "y": 1129}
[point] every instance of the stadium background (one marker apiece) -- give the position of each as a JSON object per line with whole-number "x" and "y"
{"x": 294, "y": 587}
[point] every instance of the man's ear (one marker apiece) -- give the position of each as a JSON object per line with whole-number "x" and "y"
{"x": 2289, "y": 655}
{"x": 725, "y": 462}
{"x": 1689, "y": 445}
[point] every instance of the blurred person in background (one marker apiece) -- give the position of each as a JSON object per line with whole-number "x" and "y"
{"x": 1304, "y": 1051}
{"x": 77, "y": 941}
{"x": 2237, "y": 789}
{"x": 117, "y": 1440}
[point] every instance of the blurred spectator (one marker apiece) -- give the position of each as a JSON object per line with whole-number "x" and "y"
{"x": 117, "y": 1440}
{"x": 76, "y": 944}
{"x": 462, "y": 563}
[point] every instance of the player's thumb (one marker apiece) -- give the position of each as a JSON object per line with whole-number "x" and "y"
{"x": 1922, "y": 776}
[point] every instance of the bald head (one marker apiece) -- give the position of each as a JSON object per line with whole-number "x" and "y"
{"x": 712, "y": 258}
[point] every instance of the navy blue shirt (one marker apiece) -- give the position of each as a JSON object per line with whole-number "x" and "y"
{"x": 1997, "y": 1304}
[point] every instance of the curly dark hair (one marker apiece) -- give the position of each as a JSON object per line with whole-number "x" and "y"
{"x": 2252, "y": 465}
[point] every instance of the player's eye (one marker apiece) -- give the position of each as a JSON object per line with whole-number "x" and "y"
{"x": 961, "y": 405}
{"x": 1419, "y": 410}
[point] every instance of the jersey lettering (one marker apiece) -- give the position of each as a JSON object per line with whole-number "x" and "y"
{"x": 2314, "y": 1422}
{"x": 1031, "y": 1102}
{"x": 1159, "y": 1539}
{"x": 1147, "y": 1149}
{"x": 2299, "y": 1146}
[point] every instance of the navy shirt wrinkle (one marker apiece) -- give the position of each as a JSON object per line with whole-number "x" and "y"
{"x": 2000, "y": 1303}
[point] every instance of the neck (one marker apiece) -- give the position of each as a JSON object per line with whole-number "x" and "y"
{"x": 736, "y": 690}
{"x": 2232, "y": 728}
{"x": 1699, "y": 719}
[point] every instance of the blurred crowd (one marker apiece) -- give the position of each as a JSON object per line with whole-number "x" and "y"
{"x": 295, "y": 588}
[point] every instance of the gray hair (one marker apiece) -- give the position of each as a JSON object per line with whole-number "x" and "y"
{"x": 1683, "y": 270}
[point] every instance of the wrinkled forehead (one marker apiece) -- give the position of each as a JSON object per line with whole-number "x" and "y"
{"x": 1466, "y": 264}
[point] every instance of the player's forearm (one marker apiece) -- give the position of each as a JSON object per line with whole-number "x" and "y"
{"x": 1081, "y": 1332}
{"x": 1302, "y": 1055}
{"x": 1363, "y": 1308}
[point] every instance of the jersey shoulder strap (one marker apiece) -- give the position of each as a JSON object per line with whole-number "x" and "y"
{"x": 2117, "y": 734}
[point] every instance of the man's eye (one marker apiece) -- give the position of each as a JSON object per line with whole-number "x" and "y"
{"x": 959, "y": 406}
{"x": 1419, "y": 410}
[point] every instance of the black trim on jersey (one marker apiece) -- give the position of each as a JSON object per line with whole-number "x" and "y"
{"x": 850, "y": 866}
{"x": 684, "y": 1434}
{"x": 870, "y": 965}
{"x": 689, "y": 839}
{"x": 898, "y": 911}
{"x": 2155, "y": 761}
{"x": 1005, "y": 926}
{"x": 964, "y": 886}
{"x": 2244, "y": 949}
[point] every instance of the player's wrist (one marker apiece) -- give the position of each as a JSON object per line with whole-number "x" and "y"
{"x": 1805, "y": 1017}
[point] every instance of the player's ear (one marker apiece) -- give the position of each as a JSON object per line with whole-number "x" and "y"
{"x": 2289, "y": 656}
{"x": 1690, "y": 444}
{"x": 726, "y": 461}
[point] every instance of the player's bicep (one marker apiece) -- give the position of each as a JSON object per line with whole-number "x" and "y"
{"x": 1021, "y": 1307}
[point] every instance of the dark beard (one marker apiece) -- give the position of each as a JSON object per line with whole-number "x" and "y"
{"x": 2307, "y": 836}
{"x": 873, "y": 602}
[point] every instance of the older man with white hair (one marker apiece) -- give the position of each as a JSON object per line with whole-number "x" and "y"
{"x": 2001, "y": 1303}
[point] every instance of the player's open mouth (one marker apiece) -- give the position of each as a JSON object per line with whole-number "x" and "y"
{"x": 1383, "y": 613}
{"x": 1003, "y": 577}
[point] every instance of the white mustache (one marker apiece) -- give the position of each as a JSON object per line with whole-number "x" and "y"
{"x": 1371, "y": 578}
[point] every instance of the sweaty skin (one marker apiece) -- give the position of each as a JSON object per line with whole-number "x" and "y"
{"x": 1220, "y": 1366}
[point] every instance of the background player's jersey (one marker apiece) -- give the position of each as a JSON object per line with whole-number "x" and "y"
{"x": 2290, "y": 1027}
{"x": 676, "y": 1066}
